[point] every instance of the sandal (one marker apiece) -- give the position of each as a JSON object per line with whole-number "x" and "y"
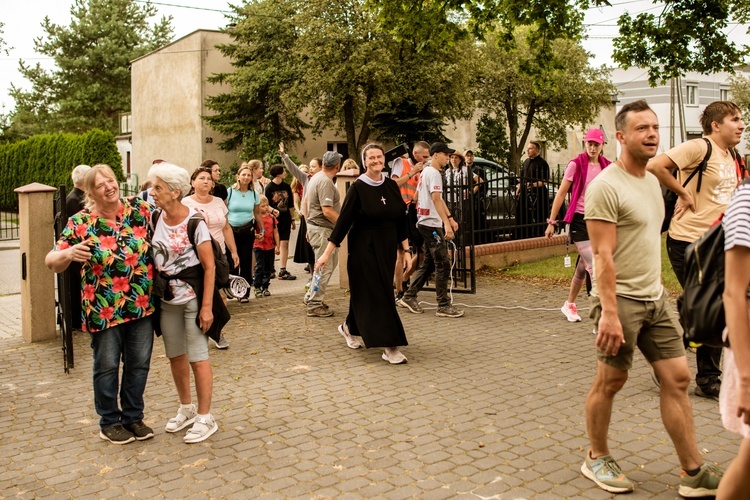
{"x": 244, "y": 300}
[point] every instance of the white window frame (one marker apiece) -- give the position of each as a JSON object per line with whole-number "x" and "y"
{"x": 695, "y": 94}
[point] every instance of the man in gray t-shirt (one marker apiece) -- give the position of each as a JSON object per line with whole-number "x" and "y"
{"x": 323, "y": 207}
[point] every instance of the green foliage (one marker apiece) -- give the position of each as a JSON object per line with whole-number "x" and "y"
{"x": 686, "y": 36}
{"x": 90, "y": 86}
{"x": 408, "y": 122}
{"x": 492, "y": 139}
{"x": 330, "y": 64}
{"x": 739, "y": 88}
{"x": 3, "y": 46}
{"x": 520, "y": 88}
{"x": 254, "y": 115}
{"x": 49, "y": 159}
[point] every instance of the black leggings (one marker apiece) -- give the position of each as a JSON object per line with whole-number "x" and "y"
{"x": 244, "y": 242}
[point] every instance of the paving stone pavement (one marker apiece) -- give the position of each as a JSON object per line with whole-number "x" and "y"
{"x": 489, "y": 406}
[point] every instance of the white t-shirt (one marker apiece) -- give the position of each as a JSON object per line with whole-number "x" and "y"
{"x": 215, "y": 214}
{"x": 430, "y": 182}
{"x": 397, "y": 168}
{"x": 173, "y": 253}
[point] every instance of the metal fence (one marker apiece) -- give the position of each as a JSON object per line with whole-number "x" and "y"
{"x": 503, "y": 207}
{"x": 8, "y": 215}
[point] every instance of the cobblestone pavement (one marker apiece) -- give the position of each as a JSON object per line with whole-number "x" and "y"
{"x": 489, "y": 406}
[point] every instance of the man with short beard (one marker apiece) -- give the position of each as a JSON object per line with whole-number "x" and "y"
{"x": 624, "y": 211}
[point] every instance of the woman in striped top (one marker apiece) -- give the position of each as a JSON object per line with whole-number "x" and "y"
{"x": 734, "y": 397}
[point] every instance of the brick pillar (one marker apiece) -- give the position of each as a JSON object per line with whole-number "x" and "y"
{"x": 36, "y": 230}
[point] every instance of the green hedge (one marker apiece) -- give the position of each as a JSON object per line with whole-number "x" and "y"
{"x": 49, "y": 159}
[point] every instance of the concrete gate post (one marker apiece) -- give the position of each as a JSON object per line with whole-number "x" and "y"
{"x": 36, "y": 231}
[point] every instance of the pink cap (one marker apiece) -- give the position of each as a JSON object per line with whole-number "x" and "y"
{"x": 594, "y": 134}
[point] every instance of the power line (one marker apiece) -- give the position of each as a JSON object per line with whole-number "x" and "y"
{"x": 184, "y": 6}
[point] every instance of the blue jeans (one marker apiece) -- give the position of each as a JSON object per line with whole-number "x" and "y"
{"x": 264, "y": 260}
{"x": 132, "y": 342}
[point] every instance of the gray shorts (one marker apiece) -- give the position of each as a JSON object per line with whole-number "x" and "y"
{"x": 180, "y": 333}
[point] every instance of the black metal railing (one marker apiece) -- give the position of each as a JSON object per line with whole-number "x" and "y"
{"x": 9, "y": 215}
{"x": 500, "y": 207}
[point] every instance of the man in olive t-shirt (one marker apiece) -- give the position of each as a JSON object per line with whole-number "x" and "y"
{"x": 624, "y": 210}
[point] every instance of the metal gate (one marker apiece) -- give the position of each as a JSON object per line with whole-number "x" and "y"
{"x": 466, "y": 208}
{"x": 64, "y": 318}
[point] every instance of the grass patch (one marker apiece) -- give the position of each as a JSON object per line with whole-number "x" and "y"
{"x": 552, "y": 270}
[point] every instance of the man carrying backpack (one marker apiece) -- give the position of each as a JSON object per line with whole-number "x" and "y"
{"x": 701, "y": 202}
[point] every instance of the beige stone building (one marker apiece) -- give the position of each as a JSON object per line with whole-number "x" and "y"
{"x": 169, "y": 90}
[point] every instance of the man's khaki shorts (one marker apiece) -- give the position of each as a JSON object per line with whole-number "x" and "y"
{"x": 651, "y": 325}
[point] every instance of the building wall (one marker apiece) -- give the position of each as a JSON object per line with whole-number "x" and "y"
{"x": 167, "y": 104}
{"x": 632, "y": 85}
{"x": 213, "y": 62}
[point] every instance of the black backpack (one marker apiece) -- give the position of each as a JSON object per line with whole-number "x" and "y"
{"x": 701, "y": 304}
{"x": 670, "y": 197}
{"x": 220, "y": 259}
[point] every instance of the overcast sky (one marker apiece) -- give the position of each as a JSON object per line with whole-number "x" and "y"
{"x": 23, "y": 23}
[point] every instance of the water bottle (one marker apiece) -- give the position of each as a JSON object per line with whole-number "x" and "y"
{"x": 315, "y": 280}
{"x": 436, "y": 236}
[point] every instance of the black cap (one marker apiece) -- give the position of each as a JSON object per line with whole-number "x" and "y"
{"x": 441, "y": 147}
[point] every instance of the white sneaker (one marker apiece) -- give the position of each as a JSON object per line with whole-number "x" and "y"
{"x": 350, "y": 340}
{"x": 203, "y": 427}
{"x": 185, "y": 416}
{"x": 570, "y": 312}
{"x": 394, "y": 356}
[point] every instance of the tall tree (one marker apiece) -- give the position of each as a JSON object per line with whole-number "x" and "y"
{"x": 686, "y": 36}
{"x": 91, "y": 83}
{"x": 3, "y": 45}
{"x": 408, "y": 122}
{"x": 330, "y": 64}
{"x": 739, "y": 88}
{"x": 254, "y": 115}
{"x": 356, "y": 70}
{"x": 514, "y": 87}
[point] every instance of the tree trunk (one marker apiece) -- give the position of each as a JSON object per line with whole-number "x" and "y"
{"x": 364, "y": 132}
{"x": 512, "y": 118}
{"x": 349, "y": 126}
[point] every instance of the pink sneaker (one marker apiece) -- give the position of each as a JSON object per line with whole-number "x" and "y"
{"x": 570, "y": 312}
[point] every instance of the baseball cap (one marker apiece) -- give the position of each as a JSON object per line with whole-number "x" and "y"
{"x": 441, "y": 147}
{"x": 595, "y": 135}
{"x": 331, "y": 158}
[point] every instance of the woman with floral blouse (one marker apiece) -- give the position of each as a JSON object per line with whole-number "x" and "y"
{"x": 110, "y": 239}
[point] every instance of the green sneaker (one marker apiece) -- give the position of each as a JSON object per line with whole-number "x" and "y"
{"x": 605, "y": 472}
{"x": 703, "y": 484}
